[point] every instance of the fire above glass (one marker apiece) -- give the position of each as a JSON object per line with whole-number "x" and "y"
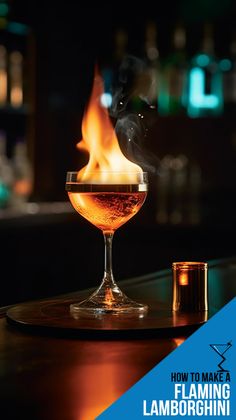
{"x": 108, "y": 206}
{"x": 107, "y": 192}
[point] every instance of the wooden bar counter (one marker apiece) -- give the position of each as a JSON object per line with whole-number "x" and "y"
{"x": 46, "y": 374}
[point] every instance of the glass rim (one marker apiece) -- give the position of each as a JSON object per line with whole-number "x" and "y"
{"x": 109, "y": 172}
{"x": 110, "y": 177}
{"x": 189, "y": 265}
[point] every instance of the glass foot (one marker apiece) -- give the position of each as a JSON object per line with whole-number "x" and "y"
{"x": 111, "y": 301}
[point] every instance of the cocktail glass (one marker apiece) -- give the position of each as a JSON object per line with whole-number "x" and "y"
{"x": 108, "y": 205}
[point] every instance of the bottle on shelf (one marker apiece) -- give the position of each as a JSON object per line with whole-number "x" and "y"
{"x": 144, "y": 90}
{"x": 23, "y": 178}
{"x": 228, "y": 66}
{"x": 204, "y": 95}
{"x": 14, "y": 44}
{"x": 173, "y": 76}
{"x": 6, "y": 173}
{"x": 129, "y": 88}
{"x": 152, "y": 57}
{"x": 16, "y": 105}
{"x": 120, "y": 45}
{"x": 110, "y": 73}
{"x": 179, "y": 191}
{"x": 3, "y": 76}
{"x": 16, "y": 79}
{"x": 172, "y": 190}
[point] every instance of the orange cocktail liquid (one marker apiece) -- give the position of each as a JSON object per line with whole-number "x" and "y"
{"x": 107, "y": 206}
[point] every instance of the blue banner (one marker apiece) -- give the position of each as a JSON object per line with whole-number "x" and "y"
{"x": 195, "y": 380}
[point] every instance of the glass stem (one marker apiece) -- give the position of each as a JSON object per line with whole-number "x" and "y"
{"x": 108, "y": 280}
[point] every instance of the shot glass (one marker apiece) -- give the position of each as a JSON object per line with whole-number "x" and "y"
{"x": 190, "y": 286}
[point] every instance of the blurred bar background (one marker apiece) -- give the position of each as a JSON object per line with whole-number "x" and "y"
{"x": 170, "y": 77}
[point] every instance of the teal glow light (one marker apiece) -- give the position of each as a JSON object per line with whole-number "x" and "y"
{"x": 163, "y": 99}
{"x": 18, "y": 28}
{"x": 163, "y": 103}
{"x": 225, "y": 64}
{"x": 4, "y": 9}
{"x": 106, "y": 100}
{"x": 202, "y": 60}
{"x": 4, "y": 194}
{"x": 107, "y": 78}
{"x": 197, "y": 97}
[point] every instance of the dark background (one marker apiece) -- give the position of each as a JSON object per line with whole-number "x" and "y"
{"x": 53, "y": 253}
{"x": 70, "y": 38}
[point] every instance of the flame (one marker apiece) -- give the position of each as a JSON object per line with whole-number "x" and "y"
{"x": 100, "y": 141}
{"x": 183, "y": 278}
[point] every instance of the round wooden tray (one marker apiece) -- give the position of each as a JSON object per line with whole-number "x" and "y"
{"x": 53, "y": 317}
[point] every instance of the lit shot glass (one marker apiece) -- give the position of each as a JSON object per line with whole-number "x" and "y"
{"x": 190, "y": 287}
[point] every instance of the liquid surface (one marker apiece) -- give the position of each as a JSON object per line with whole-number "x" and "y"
{"x": 107, "y": 210}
